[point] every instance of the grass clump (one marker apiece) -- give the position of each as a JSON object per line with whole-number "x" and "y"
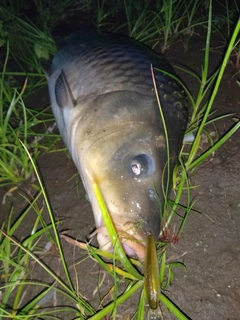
{"x": 19, "y": 257}
{"x": 18, "y": 163}
{"x": 15, "y": 166}
{"x": 18, "y": 123}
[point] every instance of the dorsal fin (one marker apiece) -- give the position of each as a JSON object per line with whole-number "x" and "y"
{"x": 63, "y": 92}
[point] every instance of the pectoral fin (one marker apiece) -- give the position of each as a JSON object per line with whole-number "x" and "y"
{"x": 63, "y": 92}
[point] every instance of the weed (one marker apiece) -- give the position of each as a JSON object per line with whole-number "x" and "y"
{"x": 18, "y": 163}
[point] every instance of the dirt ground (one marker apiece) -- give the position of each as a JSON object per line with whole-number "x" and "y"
{"x": 211, "y": 287}
{"x": 210, "y": 243}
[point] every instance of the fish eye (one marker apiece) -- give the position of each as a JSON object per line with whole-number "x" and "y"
{"x": 136, "y": 167}
{"x": 142, "y": 165}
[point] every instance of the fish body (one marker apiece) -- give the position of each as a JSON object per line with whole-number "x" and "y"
{"x": 104, "y": 102}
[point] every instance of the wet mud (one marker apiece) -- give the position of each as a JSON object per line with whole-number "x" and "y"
{"x": 210, "y": 243}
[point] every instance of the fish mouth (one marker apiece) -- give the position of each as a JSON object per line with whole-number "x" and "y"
{"x": 132, "y": 240}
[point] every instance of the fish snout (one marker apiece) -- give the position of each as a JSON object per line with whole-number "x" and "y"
{"x": 132, "y": 235}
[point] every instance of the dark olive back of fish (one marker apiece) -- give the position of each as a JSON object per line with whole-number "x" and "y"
{"x": 95, "y": 64}
{"x": 103, "y": 98}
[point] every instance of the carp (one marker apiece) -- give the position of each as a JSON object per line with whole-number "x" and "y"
{"x": 102, "y": 96}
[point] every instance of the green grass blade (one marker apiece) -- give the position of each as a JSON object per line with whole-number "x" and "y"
{"x": 107, "y": 309}
{"x": 172, "y": 307}
{"x": 113, "y": 235}
{"x": 217, "y": 145}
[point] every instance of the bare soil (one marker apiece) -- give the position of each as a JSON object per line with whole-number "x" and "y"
{"x": 210, "y": 243}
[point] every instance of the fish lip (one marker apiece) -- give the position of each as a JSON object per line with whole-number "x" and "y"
{"x": 134, "y": 248}
{"x": 132, "y": 241}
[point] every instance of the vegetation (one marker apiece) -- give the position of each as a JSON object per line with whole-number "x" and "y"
{"x": 23, "y": 41}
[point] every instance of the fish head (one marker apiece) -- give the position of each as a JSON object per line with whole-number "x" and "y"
{"x": 121, "y": 145}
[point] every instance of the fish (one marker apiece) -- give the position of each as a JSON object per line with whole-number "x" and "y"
{"x": 102, "y": 93}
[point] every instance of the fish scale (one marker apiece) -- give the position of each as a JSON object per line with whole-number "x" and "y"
{"x": 112, "y": 67}
{"x": 105, "y": 105}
